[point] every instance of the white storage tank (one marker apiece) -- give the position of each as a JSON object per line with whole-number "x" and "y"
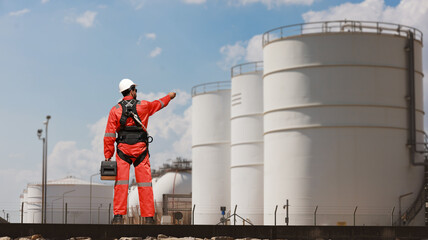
{"x": 174, "y": 182}
{"x": 210, "y": 151}
{"x": 335, "y": 123}
{"x": 83, "y": 202}
{"x": 247, "y": 142}
{"x": 33, "y": 204}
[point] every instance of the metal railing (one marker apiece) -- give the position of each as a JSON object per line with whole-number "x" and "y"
{"x": 210, "y": 87}
{"x": 340, "y": 26}
{"x": 246, "y": 68}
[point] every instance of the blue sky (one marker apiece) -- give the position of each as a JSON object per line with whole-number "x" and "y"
{"x": 66, "y": 58}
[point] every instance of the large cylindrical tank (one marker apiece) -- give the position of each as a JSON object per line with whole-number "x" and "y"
{"x": 246, "y": 167}
{"x": 210, "y": 151}
{"x": 335, "y": 123}
{"x": 86, "y": 202}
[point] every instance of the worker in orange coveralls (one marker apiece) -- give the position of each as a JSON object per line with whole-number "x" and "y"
{"x": 129, "y": 119}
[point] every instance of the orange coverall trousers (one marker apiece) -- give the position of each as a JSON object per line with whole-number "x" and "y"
{"x": 143, "y": 177}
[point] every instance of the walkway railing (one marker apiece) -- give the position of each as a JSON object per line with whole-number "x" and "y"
{"x": 340, "y": 26}
{"x": 210, "y": 87}
{"x": 246, "y": 68}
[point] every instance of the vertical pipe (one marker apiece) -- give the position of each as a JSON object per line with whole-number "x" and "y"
{"x": 392, "y": 216}
{"x": 411, "y": 98}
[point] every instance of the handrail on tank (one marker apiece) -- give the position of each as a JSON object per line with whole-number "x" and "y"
{"x": 340, "y": 26}
{"x": 210, "y": 87}
{"x": 246, "y": 68}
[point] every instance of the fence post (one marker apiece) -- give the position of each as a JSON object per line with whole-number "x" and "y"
{"x": 109, "y": 212}
{"x": 354, "y": 213}
{"x": 22, "y": 212}
{"x": 315, "y": 215}
{"x": 234, "y": 215}
{"x": 276, "y": 208}
{"x": 66, "y": 207}
{"x": 193, "y": 214}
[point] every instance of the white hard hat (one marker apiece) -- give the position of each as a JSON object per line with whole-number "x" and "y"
{"x": 125, "y": 84}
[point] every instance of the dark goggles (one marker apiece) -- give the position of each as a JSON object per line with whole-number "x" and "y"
{"x": 133, "y": 88}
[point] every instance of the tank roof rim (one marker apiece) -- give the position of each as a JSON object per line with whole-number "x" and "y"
{"x": 324, "y": 28}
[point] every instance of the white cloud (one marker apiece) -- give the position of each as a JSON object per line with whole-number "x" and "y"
{"x": 254, "y": 50}
{"x": 232, "y": 54}
{"x": 87, "y": 19}
{"x": 369, "y": 10}
{"x": 20, "y": 12}
{"x": 137, "y": 4}
{"x": 45, "y": 1}
{"x": 194, "y": 1}
{"x": 412, "y": 13}
{"x": 155, "y": 52}
{"x": 151, "y": 36}
{"x": 248, "y": 51}
{"x": 271, "y": 3}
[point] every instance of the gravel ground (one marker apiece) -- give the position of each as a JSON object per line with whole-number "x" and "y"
{"x": 159, "y": 237}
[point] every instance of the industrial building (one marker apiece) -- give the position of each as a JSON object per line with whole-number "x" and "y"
{"x": 327, "y": 130}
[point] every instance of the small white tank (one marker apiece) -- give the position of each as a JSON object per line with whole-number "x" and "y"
{"x": 33, "y": 204}
{"x": 247, "y": 142}
{"x": 210, "y": 151}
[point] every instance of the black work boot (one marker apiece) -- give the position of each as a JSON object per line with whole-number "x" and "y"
{"x": 149, "y": 220}
{"x": 117, "y": 219}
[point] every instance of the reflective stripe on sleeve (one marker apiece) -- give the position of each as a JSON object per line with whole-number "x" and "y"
{"x": 122, "y": 182}
{"x": 144, "y": 184}
{"x": 110, "y": 135}
{"x": 116, "y": 106}
{"x": 161, "y": 103}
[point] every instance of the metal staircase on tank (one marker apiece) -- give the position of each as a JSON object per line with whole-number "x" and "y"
{"x": 420, "y": 202}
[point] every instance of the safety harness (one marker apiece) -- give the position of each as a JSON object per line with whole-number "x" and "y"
{"x": 132, "y": 134}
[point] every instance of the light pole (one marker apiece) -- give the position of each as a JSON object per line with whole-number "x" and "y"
{"x": 52, "y": 208}
{"x": 63, "y": 195}
{"x": 44, "y": 166}
{"x": 39, "y": 134}
{"x": 399, "y": 205}
{"x": 90, "y": 198}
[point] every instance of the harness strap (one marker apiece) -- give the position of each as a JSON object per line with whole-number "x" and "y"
{"x": 129, "y": 107}
{"x": 138, "y": 159}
